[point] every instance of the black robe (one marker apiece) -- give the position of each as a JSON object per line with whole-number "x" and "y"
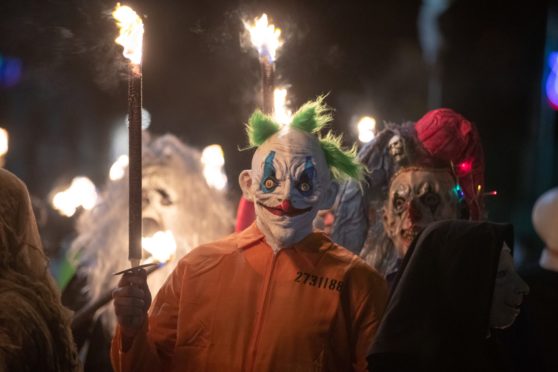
{"x": 437, "y": 318}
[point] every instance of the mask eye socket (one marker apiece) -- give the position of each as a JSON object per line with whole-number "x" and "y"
{"x": 399, "y": 204}
{"x": 430, "y": 199}
{"x": 304, "y": 187}
{"x": 305, "y": 181}
{"x": 501, "y": 274}
{"x": 165, "y": 197}
{"x": 269, "y": 184}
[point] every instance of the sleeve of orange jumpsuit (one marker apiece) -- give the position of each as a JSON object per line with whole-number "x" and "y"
{"x": 367, "y": 314}
{"x": 153, "y": 347}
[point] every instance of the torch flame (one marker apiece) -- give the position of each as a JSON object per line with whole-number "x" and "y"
{"x": 3, "y": 141}
{"x": 265, "y": 37}
{"x": 118, "y": 168}
{"x": 213, "y": 160}
{"x": 161, "y": 246}
{"x": 131, "y": 32}
{"x": 81, "y": 193}
{"x": 280, "y": 111}
{"x": 366, "y": 127}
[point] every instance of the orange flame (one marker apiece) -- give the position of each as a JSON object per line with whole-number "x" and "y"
{"x": 161, "y": 246}
{"x": 281, "y": 112}
{"x": 264, "y": 36}
{"x": 131, "y": 32}
{"x": 366, "y": 127}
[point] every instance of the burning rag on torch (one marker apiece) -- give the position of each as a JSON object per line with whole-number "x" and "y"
{"x": 131, "y": 38}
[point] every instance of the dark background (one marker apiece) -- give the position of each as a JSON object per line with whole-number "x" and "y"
{"x": 201, "y": 81}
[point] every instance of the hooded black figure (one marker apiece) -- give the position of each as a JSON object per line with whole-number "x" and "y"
{"x": 438, "y": 317}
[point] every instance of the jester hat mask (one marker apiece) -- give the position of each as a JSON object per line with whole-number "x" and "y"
{"x": 294, "y": 172}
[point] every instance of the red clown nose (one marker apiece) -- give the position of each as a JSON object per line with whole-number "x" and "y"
{"x": 286, "y": 205}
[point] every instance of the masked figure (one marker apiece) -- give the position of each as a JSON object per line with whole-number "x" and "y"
{"x": 418, "y": 173}
{"x": 34, "y": 327}
{"x": 416, "y": 198}
{"x": 274, "y": 297}
{"x": 536, "y": 338}
{"x": 397, "y": 150}
{"x": 176, "y": 200}
{"x": 456, "y": 283}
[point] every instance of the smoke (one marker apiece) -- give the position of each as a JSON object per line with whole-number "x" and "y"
{"x": 65, "y": 36}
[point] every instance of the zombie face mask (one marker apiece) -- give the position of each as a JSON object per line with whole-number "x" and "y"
{"x": 293, "y": 171}
{"x": 416, "y": 198}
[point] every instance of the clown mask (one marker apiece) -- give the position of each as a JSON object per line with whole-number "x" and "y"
{"x": 289, "y": 183}
{"x": 416, "y": 198}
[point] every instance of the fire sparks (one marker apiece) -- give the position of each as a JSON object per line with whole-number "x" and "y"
{"x": 81, "y": 193}
{"x": 265, "y": 37}
{"x": 131, "y": 32}
{"x": 366, "y": 129}
{"x": 213, "y": 161}
{"x": 161, "y": 246}
{"x": 280, "y": 111}
{"x": 3, "y": 141}
{"x": 118, "y": 168}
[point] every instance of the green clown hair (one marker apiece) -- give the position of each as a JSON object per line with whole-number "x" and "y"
{"x": 343, "y": 164}
{"x": 260, "y": 127}
{"x": 312, "y": 117}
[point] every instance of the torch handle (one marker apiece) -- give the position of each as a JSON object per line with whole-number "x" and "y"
{"x": 86, "y": 314}
{"x": 268, "y": 84}
{"x": 134, "y": 153}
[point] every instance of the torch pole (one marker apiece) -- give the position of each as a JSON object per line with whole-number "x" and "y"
{"x": 268, "y": 83}
{"x": 134, "y": 154}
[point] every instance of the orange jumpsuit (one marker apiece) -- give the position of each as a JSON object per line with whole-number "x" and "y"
{"x": 234, "y": 305}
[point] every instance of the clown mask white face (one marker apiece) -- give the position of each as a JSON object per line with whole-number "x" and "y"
{"x": 417, "y": 197}
{"x": 289, "y": 183}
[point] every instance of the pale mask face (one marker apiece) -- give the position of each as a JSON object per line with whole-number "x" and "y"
{"x": 509, "y": 290}
{"x": 289, "y": 183}
{"x": 396, "y": 148}
{"x": 160, "y": 198}
{"x": 417, "y": 197}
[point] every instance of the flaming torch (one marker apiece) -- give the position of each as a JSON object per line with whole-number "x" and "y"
{"x": 3, "y": 145}
{"x": 131, "y": 38}
{"x": 266, "y": 39}
{"x": 281, "y": 112}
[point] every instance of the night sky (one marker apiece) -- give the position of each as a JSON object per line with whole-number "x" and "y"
{"x": 201, "y": 80}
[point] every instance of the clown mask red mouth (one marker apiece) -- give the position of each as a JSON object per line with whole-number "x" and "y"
{"x": 285, "y": 209}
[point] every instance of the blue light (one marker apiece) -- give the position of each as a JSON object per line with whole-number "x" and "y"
{"x": 552, "y": 81}
{"x": 10, "y": 71}
{"x": 459, "y": 192}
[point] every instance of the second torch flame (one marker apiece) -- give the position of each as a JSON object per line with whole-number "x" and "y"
{"x": 281, "y": 112}
{"x": 267, "y": 39}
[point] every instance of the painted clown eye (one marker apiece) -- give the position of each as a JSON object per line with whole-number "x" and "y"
{"x": 304, "y": 186}
{"x": 269, "y": 183}
{"x": 305, "y": 181}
